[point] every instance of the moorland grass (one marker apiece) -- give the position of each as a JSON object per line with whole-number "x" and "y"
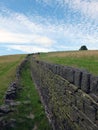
{"x": 8, "y": 66}
{"x": 80, "y": 59}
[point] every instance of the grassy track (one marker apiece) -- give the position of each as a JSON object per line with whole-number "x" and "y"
{"x": 82, "y": 59}
{"x": 8, "y": 65}
{"x": 29, "y": 116}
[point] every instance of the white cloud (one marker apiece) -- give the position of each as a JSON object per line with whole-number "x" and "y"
{"x": 29, "y": 49}
{"x": 9, "y": 37}
{"x": 43, "y": 40}
{"x": 86, "y": 7}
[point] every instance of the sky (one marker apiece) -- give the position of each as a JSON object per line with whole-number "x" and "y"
{"x": 30, "y": 26}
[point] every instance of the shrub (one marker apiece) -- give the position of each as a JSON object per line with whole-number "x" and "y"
{"x": 83, "y": 48}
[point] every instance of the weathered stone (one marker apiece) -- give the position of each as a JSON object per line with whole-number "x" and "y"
{"x": 93, "y": 84}
{"x": 72, "y": 88}
{"x": 11, "y": 92}
{"x": 68, "y": 73}
{"x": 10, "y": 95}
{"x": 85, "y": 82}
{"x": 58, "y": 70}
{"x": 95, "y": 97}
{"x": 90, "y": 112}
{"x": 5, "y": 109}
{"x": 55, "y": 69}
{"x": 13, "y": 103}
{"x": 80, "y": 102}
{"x": 61, "y": 70}
{"x": 77, "y": 78}
{"x": 74, "y": 116}
{"x": 51, "y": 67}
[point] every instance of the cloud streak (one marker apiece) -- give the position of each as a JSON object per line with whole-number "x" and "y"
{"x": 86, "y": 7}
{"x": 30, "y": 48}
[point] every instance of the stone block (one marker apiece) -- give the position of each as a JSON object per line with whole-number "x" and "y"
{"x": 74, "y": 114}
{"x": 72, "y": 88}
{"x": 50, "y": 67}
{"x": 93, "y": 84}
{"x": 55, "y": 69}
{"x": 10, "y": 95}
{"x": 44, "y": 65}
{"x": 41, "y": 63}
{"x": 85, "y": 82}
{"x": 47, "y": 65}
{"x": 95, "y": 97}
{"x": 68, "y": 73}
{"x": 77, "y": 78}
{"x": 80, "y": 102}
{"x": 90, "y": 112}
{"x": 58, "y": 70}
{"x": 5, "y": 109}
{"x": 61, "y": 68}
{"x": 70, "y": 98}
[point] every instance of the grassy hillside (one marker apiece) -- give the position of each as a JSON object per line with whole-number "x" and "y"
{"x": 8, "y": 65}
{"x": 29, "y": 113}
{"x": 82, "y": 59}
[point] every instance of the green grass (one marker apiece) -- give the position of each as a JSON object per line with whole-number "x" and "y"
{"x": 34, "y": 107}
{"x": 80, "y": 59}
{"x": 8, "y": 65}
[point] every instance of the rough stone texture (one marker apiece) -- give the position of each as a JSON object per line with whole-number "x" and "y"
{"x": 68, "y": 95}
{"x": 5, "y": 109}
{"x": 77, "y": 78}
{"x": 11, "y": 92}
{"x": 68, "y": 73}
{"x": 93, "y": 84}
{"x": 85, "y": 83}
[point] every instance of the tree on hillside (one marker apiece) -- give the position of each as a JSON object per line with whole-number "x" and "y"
{"x": 83, "y": 48}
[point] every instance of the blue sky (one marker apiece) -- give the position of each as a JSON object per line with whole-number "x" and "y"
{"x": 28, "y": 26}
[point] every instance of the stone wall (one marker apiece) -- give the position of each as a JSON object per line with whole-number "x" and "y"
{"x": 69, "y": 95}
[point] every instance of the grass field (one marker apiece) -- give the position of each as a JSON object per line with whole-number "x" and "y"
{"x": 8, "y": 65}
{"x": 81, "y": 59}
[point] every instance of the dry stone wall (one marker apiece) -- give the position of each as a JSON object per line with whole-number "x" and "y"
{"x": 69, "y": 95}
